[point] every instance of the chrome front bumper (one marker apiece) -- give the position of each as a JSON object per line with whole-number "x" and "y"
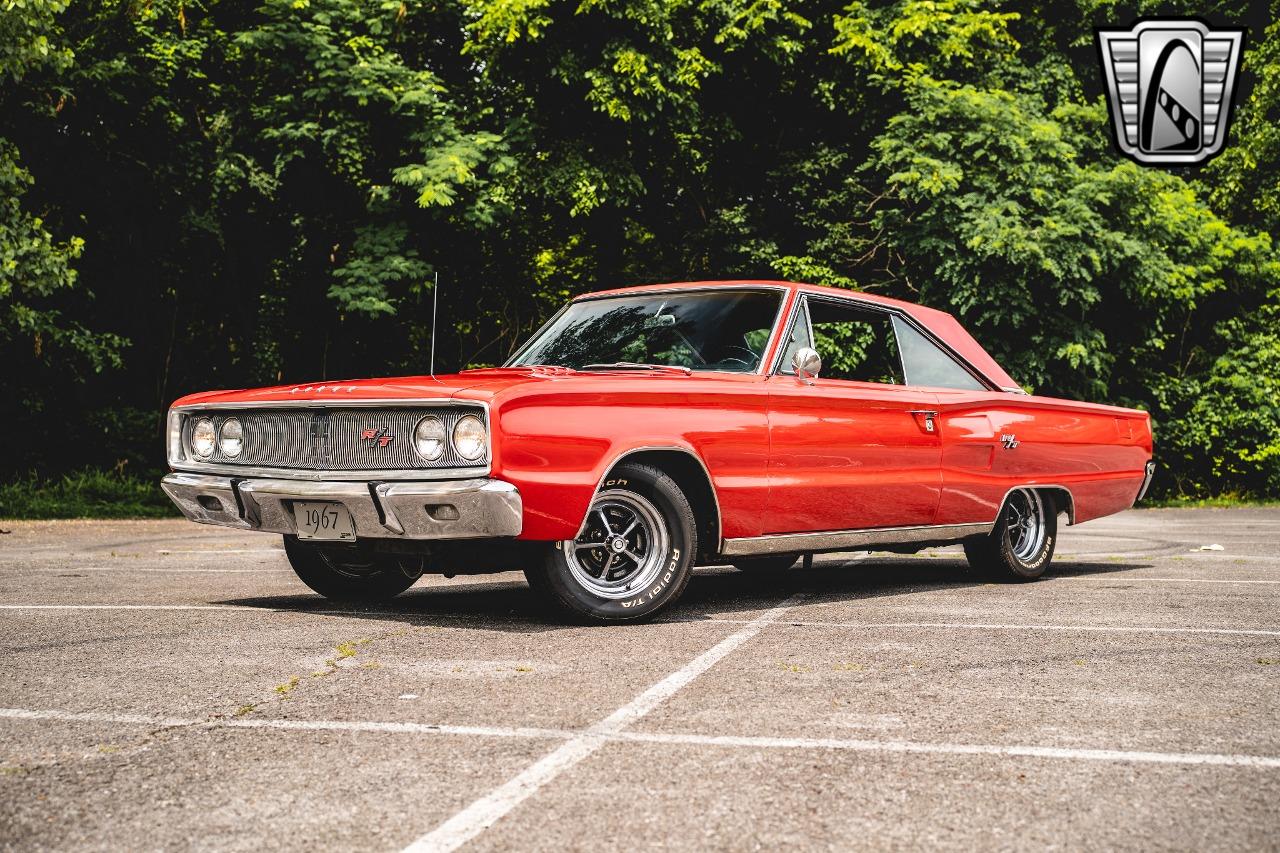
{"x": 443, "y": 509}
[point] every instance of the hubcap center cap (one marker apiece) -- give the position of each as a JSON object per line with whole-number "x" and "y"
{"x": 617, "y": 545}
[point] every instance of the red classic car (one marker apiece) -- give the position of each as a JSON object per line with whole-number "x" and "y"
{"x": 644, "y": 431}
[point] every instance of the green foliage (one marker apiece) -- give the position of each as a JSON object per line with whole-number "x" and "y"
{"x": 266, "y": 189}
{"x": 84, "y": 494}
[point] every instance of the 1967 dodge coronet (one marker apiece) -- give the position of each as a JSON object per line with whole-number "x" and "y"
{"x": 644, "y": 431}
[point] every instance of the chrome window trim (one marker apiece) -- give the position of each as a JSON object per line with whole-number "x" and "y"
{"x": 803, "y": 295}
{"x": 854, "y": 539}
{"x": 720, "y": 288}
{"x": 455, "y": 473}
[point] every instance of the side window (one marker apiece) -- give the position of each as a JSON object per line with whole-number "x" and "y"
{"x": 856, "y": 344}
{"x": 925, "y": 364}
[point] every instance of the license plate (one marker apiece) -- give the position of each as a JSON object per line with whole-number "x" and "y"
{"x": 323, "y": 520}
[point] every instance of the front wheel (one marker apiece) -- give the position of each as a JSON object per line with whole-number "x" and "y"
{"x": 1021, "y": 544}
{"x": 634, "y": 555}
{"x": 344, "y": 573}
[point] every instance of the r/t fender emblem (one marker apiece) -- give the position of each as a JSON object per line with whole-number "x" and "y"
{"x": 1009, "y": 440}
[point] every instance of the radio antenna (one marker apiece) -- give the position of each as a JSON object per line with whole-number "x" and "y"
{"x": 435, "y": 300}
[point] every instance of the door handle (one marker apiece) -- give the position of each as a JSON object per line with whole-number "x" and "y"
{"x": 927, "y": 419}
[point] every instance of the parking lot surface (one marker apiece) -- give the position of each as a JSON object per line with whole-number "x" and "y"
{"x": 165, "y": 685}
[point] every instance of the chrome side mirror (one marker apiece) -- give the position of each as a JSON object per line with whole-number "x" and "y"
{"x": 806, "y": 363}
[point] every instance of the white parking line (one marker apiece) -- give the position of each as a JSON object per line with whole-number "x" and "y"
{"x": 227, "y": 607}
{"x": 216, "y": 551}
{"x": 149, "y": 569}
{"x": 992, "y": 626}
{"x": 1127, "y": 578}
{"x": 691, "y": 739}
{"x": 487, "y": 810}
{"x": 799, "y": 623}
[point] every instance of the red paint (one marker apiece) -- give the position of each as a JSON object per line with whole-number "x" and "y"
{"x": 783, "y": 456}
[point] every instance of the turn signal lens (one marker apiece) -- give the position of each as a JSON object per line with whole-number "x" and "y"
{"x": 231, "y": 440}
{"x": 469, "y": 437}
{"x": 203, "y": 438}
{"x": 429, "y": 438}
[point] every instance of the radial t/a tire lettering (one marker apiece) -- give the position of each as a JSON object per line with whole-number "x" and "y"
{"x": 633, "y": 557}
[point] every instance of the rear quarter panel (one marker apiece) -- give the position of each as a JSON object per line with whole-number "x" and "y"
{"x": 1097, "y": 452}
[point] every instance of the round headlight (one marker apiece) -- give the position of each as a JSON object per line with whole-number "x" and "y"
{"x": 429, "y": 438}
{"x": 231, "y": 438}
{"x": 469, "y": 437}
{"x": 202, "y": 438}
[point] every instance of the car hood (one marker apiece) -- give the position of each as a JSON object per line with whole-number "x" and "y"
{"x": 480, "y": 384}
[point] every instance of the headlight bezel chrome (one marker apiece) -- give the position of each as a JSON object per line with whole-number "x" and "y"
{"x": 442, "y": 438}
{"x": 480, "y": 440}
{"x": 231, "y": 425}
{"x": 198, "y": 432}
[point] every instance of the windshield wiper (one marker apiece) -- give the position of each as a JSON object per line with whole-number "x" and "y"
{"x": 635, "y": 365}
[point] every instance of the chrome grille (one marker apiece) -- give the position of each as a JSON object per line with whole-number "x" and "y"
{"x": 329, "y": 439}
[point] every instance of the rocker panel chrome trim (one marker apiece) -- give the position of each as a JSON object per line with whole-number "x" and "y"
{"x": 850, "y": 540}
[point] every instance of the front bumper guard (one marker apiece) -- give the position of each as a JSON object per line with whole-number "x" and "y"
{"x": 445, "y": 509}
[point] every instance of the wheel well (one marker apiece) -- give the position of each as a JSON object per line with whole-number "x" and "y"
{"x": 1063, "y": 500}
{"x": 692, "y": 478}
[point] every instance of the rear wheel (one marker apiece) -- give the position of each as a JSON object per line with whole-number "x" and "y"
{"x": 765, "y": 565}
{"x": 634, "y": 556}
{"x": 345, "y": 573}
{"x": 1021, "y": 544}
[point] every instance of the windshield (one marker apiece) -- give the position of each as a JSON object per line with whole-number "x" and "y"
{"x": 705, "y": 330}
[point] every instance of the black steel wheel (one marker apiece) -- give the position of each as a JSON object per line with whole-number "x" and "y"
{"x": 345, "y": 573}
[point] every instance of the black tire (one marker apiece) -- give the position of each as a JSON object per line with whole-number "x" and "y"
{"x": 343, "y": 573}
{"x": 766, "y": 565}
{"x": 663, "y": 542}
{"x": 1014, "y": 551}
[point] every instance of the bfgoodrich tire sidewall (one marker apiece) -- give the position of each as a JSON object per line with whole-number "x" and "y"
{"x": 674, "y": 510}
{"x": 1034, "y": 567}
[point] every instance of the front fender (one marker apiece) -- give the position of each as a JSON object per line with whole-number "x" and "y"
{"x": 558, "y": 452}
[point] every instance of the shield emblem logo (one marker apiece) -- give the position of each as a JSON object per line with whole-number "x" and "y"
{"x": 1170, "y": 84}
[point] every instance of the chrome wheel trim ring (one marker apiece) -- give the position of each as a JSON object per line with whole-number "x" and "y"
{"x": 1027, "y": 524}
{"x": 623, "y": 546}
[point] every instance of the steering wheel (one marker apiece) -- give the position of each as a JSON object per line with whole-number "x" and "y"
{"x": 745, "y": 362}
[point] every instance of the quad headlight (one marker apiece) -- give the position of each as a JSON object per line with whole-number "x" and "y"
{"x": 203, "y": 437}
{"x": 231, "y": 438}
{"x": 469, "y": 437}
{"x": 429, "y": 438}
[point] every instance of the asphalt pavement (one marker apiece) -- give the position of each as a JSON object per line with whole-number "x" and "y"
{"x": 170, "y": 686}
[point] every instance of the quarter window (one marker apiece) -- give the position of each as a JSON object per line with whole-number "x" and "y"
{"x": 926, "y": 364}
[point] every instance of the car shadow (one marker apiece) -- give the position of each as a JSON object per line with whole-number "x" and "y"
{"x": 510, "y": 606}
